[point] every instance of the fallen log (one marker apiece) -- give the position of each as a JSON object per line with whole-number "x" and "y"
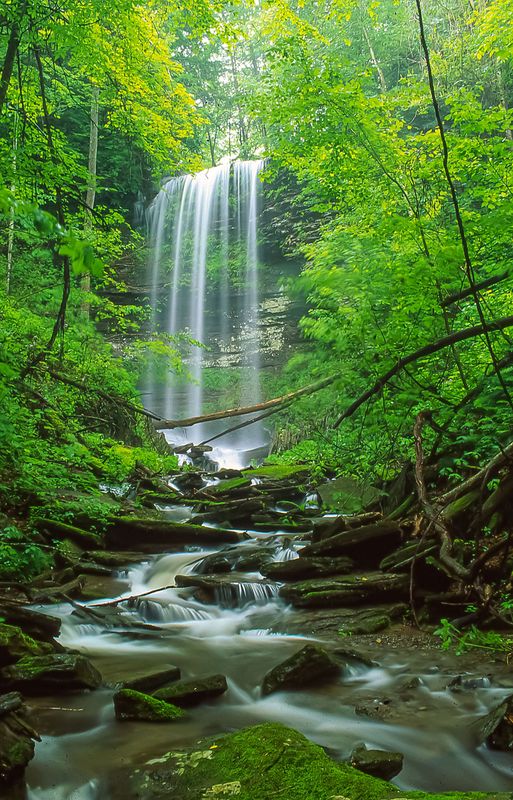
{"x": 241, "y": 411}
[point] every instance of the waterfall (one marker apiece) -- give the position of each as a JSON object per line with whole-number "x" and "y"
{"x": 203, "y": 233}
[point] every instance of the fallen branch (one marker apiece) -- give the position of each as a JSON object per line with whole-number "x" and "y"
{"x": 454, "y": 298}
{"x": 129, "y": 599}
{"x": 427, "y": 350}
{"x": 276, "y": 402}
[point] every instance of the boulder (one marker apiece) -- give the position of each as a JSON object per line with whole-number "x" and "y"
{"x": 496, "y": 727}
{"x": 311, "y": 664}
{"x": 263, "y": 762}
{"x": 59, "y": 672}
{"x": 40, "y": 626}
{"x": 348, "y": 591}
{"x": 140, "y": 532}
{"x": 379, "y": 763}
{"x": 192, "y": 693}
{"x": 14, "y": 644}
{"x": 132, "y": 705}
{"x": 303, "y": 568}
{"x": 153, "y": 680}
{"x": 367, "y": 544}
{"x": 16, "y": 743}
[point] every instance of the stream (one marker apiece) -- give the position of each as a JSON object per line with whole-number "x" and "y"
{"x": 82, "y": 743}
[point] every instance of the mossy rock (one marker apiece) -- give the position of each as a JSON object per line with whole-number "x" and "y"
{"x": 60, "y": 530}
{"x": 191, "y": 693}
{"x": 227, "y": 486}
{"x": 349, "y": 590}
{"x": 277, "y": 472}
{"x": 14, "y": 644}
{"x": 261, "y": 763}
{"x": 59, "y": 672}
{"x": 153, "y": 680}
{"x": 132, "y": 705}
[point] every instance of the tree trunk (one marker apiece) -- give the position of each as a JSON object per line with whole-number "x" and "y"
{"x": 10, "y": 55}
{"x": 91, "y": 187}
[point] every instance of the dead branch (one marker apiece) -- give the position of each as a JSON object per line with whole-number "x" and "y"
{"x": 427, "y": 350}
{"x": 276, "y": 402}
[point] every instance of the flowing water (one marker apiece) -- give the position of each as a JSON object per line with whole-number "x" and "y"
{"x": 82, "y": 742}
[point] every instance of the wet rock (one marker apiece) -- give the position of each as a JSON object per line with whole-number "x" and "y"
{"x": 192, "y": 693}
{"x": 468, "y": 683}
{"x": 108, "y": 558}
{"x": 227, "y": 487}
{"x": 259, "y": 763}
{"x": 16, "y": 743}
{"x": 348, "y": 591}
{"x": 132, "y": 705}
{"x": 188, "y": 481}
{"x": 60, "y": 672}
{"x": 496, "y": 727}
{"x": 377, "y": 708}
{"x": 367, "y": 544}
{"x": 90, "y": 568}
{"x": 153, "y": 680}
{"x": 379, "y": 763}
{"x": 14, "y": 644}
{"x": 34, "y": 623}
{"x": 227, "y": 591}
{"x": 277, "y": 472}
{"x": 312, "y": 664}
{"x": 140, "y": 532}
{"x": 244, "y": 557}
{"x": 303, "y": 568}
{"x": 362, "y": 621}
{"x": 60, "y": 530}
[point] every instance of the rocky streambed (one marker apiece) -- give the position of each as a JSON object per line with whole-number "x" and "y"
{"x": 221, "y": 603}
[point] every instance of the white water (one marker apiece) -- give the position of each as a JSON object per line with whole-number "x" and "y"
{"x": 202, "y": 227}
{"x": 83, "y": 742}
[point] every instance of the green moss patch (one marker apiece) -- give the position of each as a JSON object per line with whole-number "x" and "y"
{"x": 132, "y": 705}
{"x": 262, "y": 763}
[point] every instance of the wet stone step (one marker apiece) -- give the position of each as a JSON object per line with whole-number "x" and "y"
{"x": 228, "y": 592}
{"x": 192, "y": 692}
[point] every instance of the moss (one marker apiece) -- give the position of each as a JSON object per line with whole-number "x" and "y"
{"x": 15, "y": 644}
{"x": 277, "y": 472}
{"x": 229, "y": 485}
{"x": 130, "y": 704}
{"x": 262, "y": 763}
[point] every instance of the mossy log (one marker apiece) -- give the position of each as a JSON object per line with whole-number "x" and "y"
{"x": 133, "y": 531}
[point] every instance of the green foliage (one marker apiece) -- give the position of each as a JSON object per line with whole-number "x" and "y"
{"x": 21, "y": 559}
{"x": 472, "y": 638}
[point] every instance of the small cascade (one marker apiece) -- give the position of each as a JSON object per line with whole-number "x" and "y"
{"x": 203, "y": 272}
{"x": 239, "y": 595}
{"x": 153, "y": 611}
{"x": 286, "y": 554}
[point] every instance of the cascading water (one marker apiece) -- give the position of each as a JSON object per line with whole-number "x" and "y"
{"x": 204, "y": 237}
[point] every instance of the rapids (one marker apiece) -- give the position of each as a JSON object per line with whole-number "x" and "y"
{"x": 82, "y": 741}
